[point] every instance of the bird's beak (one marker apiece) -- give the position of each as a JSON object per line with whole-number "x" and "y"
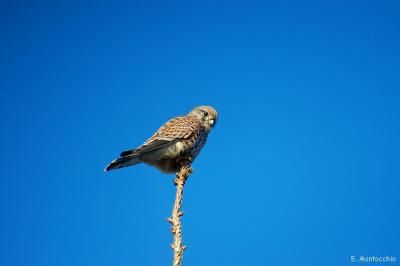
{"x": 211, "y": 122}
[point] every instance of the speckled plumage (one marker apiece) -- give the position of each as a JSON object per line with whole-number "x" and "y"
{"x": 181, "y": 138}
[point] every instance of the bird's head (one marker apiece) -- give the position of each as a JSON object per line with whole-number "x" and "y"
{"x": 207, "y": 114}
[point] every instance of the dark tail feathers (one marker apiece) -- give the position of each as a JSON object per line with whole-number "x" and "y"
{"x": 125, "y": 161}
{"x": 126, "y": 153}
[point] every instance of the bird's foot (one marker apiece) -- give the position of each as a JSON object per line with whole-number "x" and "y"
{"x": 183, "y": 174}
{"x": 185, "y": 169}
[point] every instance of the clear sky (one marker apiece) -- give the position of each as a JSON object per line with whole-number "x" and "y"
{"x": 301, "y": 169}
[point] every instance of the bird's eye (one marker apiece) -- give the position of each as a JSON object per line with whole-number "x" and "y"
{"x": 205, "y": 114}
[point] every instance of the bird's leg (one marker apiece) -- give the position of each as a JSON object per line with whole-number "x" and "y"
{"x": 184, "y": 165}
{"x": 184, "y": 160}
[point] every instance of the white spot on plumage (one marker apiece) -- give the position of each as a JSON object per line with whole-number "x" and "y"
{"x": 179, "y": 146}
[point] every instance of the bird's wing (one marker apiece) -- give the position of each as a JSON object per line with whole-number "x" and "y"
{"x": 174, "y": 130}
{"x": 156, "y": 144}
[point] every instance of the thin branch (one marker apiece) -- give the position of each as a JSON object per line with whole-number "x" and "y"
{"x": 176, "y": 226}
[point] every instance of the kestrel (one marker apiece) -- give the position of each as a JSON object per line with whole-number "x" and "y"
{"x": 179, "y": 140}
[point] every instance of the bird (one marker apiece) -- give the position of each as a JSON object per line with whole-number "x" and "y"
{"x": 175, "y": 144}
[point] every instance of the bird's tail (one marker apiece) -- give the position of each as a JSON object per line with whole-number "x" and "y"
{"x": 123, "y": 161}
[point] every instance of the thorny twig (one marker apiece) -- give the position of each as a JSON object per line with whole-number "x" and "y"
{"x": 176, "y": 226}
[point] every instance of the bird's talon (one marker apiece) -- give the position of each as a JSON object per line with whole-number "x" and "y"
{"x": 186, "y": 170}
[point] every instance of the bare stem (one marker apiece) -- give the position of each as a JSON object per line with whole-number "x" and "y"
{"x": 176, "y": 226}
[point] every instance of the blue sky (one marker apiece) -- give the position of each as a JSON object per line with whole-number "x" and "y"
{"x": 302, "y": 168}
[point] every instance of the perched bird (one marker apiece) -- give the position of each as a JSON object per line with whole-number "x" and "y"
{"x": 177, "y": 141}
